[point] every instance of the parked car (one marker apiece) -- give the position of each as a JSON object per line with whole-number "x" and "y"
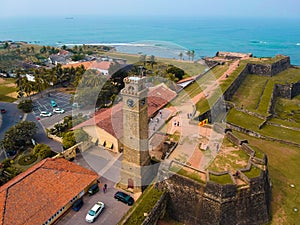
{"x": 77, "y": 204}
{"x": 58, "y": 110}
{"x": 3, "y": 110}
{"x": 93, "y": 189}
{"x": 121, "y": 196}
{"x": 53, "y": 103}
{"x": 94, "y": 212}
{"x": 45, "y": 114}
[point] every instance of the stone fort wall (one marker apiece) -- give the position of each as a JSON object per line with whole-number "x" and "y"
{"x": 192, "y": 202}
{"x": 287, "y": 91}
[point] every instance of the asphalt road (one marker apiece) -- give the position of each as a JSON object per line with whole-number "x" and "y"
{"x": 7, "y": 120}
{"x": 12, "y": 117}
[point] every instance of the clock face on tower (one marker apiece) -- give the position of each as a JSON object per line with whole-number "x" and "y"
{"x": 130, "y": 102}
{"x": 143, "y": 101}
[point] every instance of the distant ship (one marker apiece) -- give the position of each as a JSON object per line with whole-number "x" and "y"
{"x": 69, "y": 18}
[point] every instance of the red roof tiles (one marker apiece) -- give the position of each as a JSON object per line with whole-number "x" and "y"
{"x": 111, "y": 120}
{"x": 102, "y": 65}
{"x": 37, "y": 194}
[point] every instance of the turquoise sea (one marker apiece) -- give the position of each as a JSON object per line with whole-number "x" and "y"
{"x": 162, "y": 36}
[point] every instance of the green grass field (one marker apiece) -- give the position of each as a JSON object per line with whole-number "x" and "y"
{"x": 189, "y": 67}
{"x": 251, "y": 123}
{"x": 284, "y": 170}
{"x": 249, "y": 92}
{"x": 7, "y": 90}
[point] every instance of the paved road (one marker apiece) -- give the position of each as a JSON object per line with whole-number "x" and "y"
{"x": 7, "y": 120}
{"x": 12, "y": 117}
{"x": 108, "y": 166}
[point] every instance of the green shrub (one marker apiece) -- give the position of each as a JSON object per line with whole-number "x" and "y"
{"x": 27, "y": 159}
{"x": 42, "y": 150}
{"x": 25, "y": 106}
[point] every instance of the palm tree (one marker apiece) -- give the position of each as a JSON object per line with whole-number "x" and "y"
{"x": 152, "y": 60}
{"x": 143, "y": 59}
{"x": 93, "y": 80}
{"x": 27, "y": 87}
{"x": 192, "y": 54}
{"x": 180, "y": 55}
{"x": 19, "y": 82}
{"x": 188, "y": 53}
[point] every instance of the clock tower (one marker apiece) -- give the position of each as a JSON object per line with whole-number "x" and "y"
{"x": 136, "y": 160}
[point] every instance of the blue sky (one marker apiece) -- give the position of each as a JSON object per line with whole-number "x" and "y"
{"x": 182, "y": 8}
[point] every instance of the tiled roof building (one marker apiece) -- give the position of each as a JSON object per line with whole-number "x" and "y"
{"x": 44, "y": 192}
{"x": 107, "y": 124}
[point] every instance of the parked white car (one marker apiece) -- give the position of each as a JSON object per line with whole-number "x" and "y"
{"x": 94, "y": 212}
{"x": 45, "y": 114}
{"x": 58, "y": 110}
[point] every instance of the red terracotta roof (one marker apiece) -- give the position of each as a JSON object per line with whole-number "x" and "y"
{"x": 37, "y": 194}
{"x": 102, "y": 65}
{"x": 185, "y": 80}
{"x": 111, "y": 119}
{"x": 86, "y": 65}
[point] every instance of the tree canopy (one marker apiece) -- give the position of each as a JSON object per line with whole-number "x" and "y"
{"x": 42, "y": 150}
{"x": 19, "y": 136}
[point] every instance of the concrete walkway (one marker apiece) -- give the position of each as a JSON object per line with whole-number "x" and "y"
{"x": 188, "y": 150}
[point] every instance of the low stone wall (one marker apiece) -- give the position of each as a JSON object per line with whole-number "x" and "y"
{"x": 158, "y": 211}
{"x": 258, "y": 135}
{"x": 295, "y": 89}
{"x": 246, "y": 148}
{"x": 236, "y": 84}
{"x": 55, "y": 138}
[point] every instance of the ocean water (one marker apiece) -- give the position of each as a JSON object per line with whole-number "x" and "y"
{"x": 161, "y": 36}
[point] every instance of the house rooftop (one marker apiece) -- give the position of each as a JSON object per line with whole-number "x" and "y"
{"x": 111, "y": 119}
{"x": 37, "y": 194}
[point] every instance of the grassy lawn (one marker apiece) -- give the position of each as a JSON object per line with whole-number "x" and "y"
{"x": 266, "y": 98}
{"x": 223, "y": 179}
{"x": 291, "y": 75}
{"x": 246, "y": 121}
{"x": 284, "y": 170}
{"x": 243, "y": 120}
{"x": 7, "y": 90}
{"x": 189, "y": 67}
{"x": 144, "y": 205}
{"x": 269, "y": 60}
{"x": 253, "y": 172}
{"x": 249, "y": 92}
{"x": 192, "y": 174}
{"x": 288, "y": 110}
{"x": 231, "y": 160}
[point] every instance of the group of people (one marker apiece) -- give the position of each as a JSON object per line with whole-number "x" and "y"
{"x": 156, "y": 120}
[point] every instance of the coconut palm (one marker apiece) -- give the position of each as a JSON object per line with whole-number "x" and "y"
{"x": 143, "y": 59}
{"x": 180, "y": 55}
{"x": 188, "y": 53}
{"x": 28, "y": 87}
{"x": 152, "y": 60}
{"x": 192, "y": 54}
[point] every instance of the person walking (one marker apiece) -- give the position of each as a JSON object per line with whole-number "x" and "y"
{"x": 104, "y": 188}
